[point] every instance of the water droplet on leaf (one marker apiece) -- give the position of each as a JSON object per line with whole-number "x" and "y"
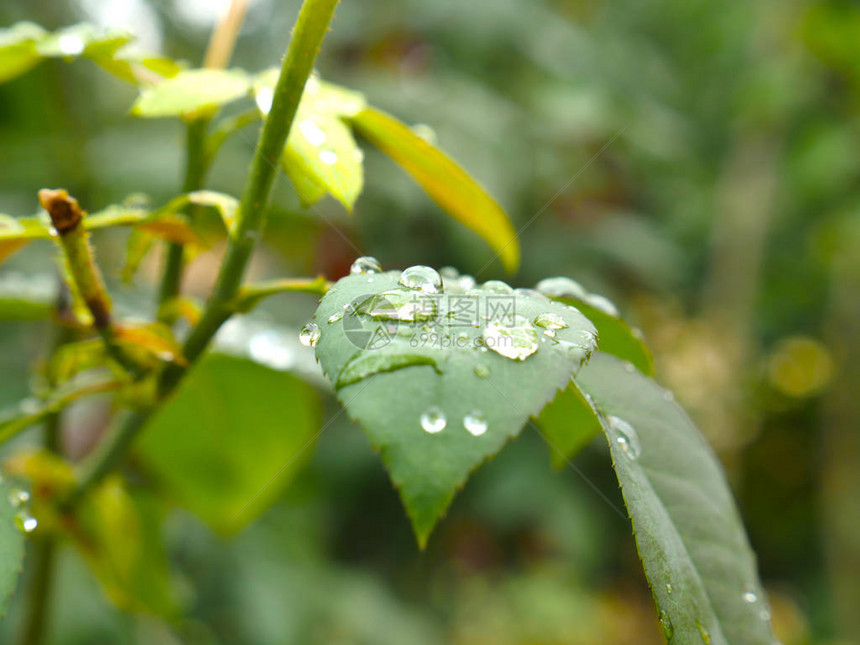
{"x": 562, "y": 288}
{"x": 328, "y": 157}
{"x": 516, "y": 341}
{"x": 25, "y": 522}
{"x": 750, "y": 597}
{"x": 433, "y": 420}
{"x": 625, "y": 436}
{"x": 666, "y": 624}
{"x": 422, "y": 278}
{"x": 475, "y": 422}
{"x": 496, "y": 286}
{"x": 309, "y": 335}
{"x": 312, "y": 132}
{"x": 365, "y": 264}
{"x": 18, "y": 497}
{"x": 551, "y": 321}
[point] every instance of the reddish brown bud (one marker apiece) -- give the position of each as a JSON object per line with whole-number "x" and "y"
{"x": 64, "y": 210}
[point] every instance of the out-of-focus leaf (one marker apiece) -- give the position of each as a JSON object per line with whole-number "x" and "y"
{"x": 18, "y": 49}
{"x": 31, "y": 411}
{"x": 184, "y": 307}
{"x": 25, "y": 297}
{"x": 692, "y": 543}
{"x": 152, "y": 339}
{"x": 196, "y": 91}
{"x": 226, "y": 205}
{"x": 321, "y": 155}
{"x": 11, "y": 546}
{"x": 231, "y": 438}
{"x": 616, "y": 336}
{"x": 137, "y": 246}
{"x": 567, "y": 424}
{"x": 16, "y": 233}
{"x": 436, "y": 394}
{"x": 119, "y": 535}
{"x": 446, "y": 182}
{"x": 76, "y": 357}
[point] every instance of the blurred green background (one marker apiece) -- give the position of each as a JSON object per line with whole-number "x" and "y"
{"x": 695, "y": 161}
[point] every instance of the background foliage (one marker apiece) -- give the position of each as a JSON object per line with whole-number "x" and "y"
{"x": 721, "y": 214}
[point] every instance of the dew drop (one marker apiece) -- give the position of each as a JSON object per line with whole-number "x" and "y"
{"x": 496, "y": 286}
{"x": 312, "y": 132}
{"x": 25, "y": 522}
{"x": 365, "y": 264}
{"x": 328, "y": 157}
{"x": 336, "y": 316}
{"x": 625, "y": 436}
{"x": 466, "y": 282}
{"x": 433, "y": 420}
{"x": 666, "y": 624}
{"x": 482, "y": 371}
{"x": 516, "y": 341}
{"x": 629, "y": 367}
{"x": 551, "y": 321}
{"x": 750, "y": 597}
{"x": 475, "y": 422}
{"x": 549, "y": 333}
{"x": 561, "y": 288}
{"x": 18, "y": 497}
{"x": 669, "y": 588}
{"x": 422, "y": 278}
{"x": 309, "y": 335}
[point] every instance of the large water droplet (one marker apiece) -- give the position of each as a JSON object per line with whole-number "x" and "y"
{"x": 625, "y": 436}
{"x": 562, "y": 288}
{"x": 422, "y": 278}
{"x": 18, "y": 497}
{"x": 551, "y": 321}
{"x": 309, "y": 335}
{"x": 496, "y": 286}
{"x": 328, "y": 157}
{"x": 312, "y": 132}
{"x": 516, "y": 341}
{"x": 25, "y": 522}
{"x": 365, "y": 264}
{"x": 433, "y": 420}
{"x": 666, "y": 624}
{"x": 399, "y": 305}
{"x": 475, "y": 422}
{"x": 602, "y": 303}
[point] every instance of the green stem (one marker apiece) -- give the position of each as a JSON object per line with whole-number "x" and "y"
{"x": 311, "y": 27}
{"x": 196, "y": 167}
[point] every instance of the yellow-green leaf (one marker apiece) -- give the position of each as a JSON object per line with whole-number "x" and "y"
{"x": 445, "y": 181}
{"x": 190, "y": 92}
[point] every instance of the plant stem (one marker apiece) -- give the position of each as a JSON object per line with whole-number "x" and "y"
{"x": 223, "y": 38}
{"x": 196, "y": 167}
{"x": 311, "y": 27}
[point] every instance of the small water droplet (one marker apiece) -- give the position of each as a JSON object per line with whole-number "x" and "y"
{"x": 336, "y": 316}
{"x": 365, "y": 264}
{"x": 551, "y": 321}
{"x": 433, "y": 420}
{"x": 496, "y": 286}
{"x": 312, "y": 132}
{"x": 466, "y": 282}
{"x": 629, "y": 367}
{"x": 516, "y": 341}
{"x": 482, "y": 371}
{"x": 422, "y": 278}
{"x": 328, "y": 157}
{"x": 750, "y": 597}
{"x": 625, "y": 436}
{"x": 668, "y": 395}
{"x": 666, "y": 624}
{"x": 669, "y": 588}
{"x": 475, "y": 422}
{"x": 309, "y": 335}
{"x": 18, "y": 497}
{"x": 25, "y": 522}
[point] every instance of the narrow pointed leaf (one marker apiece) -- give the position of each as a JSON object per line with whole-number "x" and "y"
{"x": 690, "y": 537}
{"x": 11, "y": 546}
{"x": 446, "y": 182}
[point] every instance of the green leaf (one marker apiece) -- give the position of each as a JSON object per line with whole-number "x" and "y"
{"x": 616, "y": 336}
{"x": 320, "y": 155}
{"x": 11, "y": 546}
{"x": 472, "y": 355}
{"x": 27, "y": 297}
{"x": 192, "y": 92}
{"x": 18, "y": 49}
{"x": 568, "y": 425}
{"x": 231, "y": 438}
{"x": 692, "y": 543}
{"x": 447, "y": 183}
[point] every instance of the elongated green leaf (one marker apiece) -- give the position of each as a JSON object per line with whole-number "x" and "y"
{"x": 320, "y": 156}
{"x": 616, "y": 336}
{"x": 231, "y": 438}
{"x": 11, "y": 546}
{"x": 441, "y": 378}
{"x": 568, "y": 424}
{"x": 692, "y": 543}
{"x": 447, "y": 183}
{"x": 191, "y": 92}
{"x": 18, "y": 49}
